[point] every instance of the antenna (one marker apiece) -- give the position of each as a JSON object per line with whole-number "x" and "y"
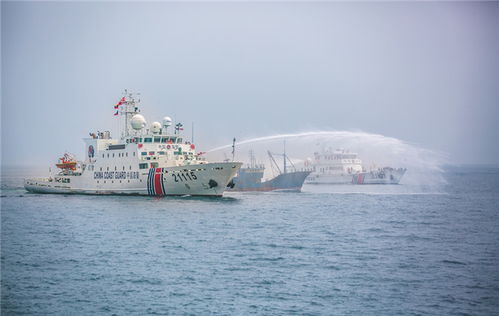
{"x": 233, "y": 148}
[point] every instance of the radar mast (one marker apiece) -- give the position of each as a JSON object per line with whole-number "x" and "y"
{"x": 129, "y": 108}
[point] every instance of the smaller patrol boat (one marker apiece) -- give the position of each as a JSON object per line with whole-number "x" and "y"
{"x": 249, "y": 178}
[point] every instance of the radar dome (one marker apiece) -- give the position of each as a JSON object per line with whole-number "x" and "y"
{"x": 155, "y": 127}
{"x": 138, "y": 122}
{"x": 167, "y": 121}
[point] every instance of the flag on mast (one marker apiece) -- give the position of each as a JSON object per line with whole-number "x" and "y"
{"x": 120, "y": 103}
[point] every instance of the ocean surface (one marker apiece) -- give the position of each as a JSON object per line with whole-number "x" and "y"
{"x": 330, "y": 250}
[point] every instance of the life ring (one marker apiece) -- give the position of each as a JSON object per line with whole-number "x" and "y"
{"x": 168, "y": 146}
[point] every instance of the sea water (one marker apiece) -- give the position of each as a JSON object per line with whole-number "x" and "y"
{"x": 330, "y": 250}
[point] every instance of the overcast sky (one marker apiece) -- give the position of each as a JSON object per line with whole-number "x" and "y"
{"x": 427, "y": 73}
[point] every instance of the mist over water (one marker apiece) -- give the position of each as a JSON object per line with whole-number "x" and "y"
{"x": 424, "y": 167}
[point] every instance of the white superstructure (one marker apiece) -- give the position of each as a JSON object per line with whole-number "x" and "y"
{"x": 143, "y": 161}
{"x": 334, "y": 167}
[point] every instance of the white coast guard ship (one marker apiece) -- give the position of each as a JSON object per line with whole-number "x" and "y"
{"x": 342, "y": 166}
{"x": 144, "y": 161}
{"x": 334, "y": 167}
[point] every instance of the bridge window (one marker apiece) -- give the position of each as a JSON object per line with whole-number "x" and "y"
{"x": 157, "y": 139}
{"x": 154, "y": 165}
{"x": 142, "y": 165}
{"x": 143, "y": 153}
{"x": 148, "y": 140}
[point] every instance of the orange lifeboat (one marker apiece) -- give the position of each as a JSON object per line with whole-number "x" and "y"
{"x": 66, "y": 162}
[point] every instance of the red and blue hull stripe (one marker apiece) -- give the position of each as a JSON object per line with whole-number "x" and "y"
{"x": 155, "y": 182}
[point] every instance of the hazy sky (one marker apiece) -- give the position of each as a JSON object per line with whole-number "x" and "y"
{"x": 427, "y": 73}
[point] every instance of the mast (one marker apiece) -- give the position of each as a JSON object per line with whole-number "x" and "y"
{"x": 233, "y": 148}
{"x": 192, "y": 133}
{"x": 129, "y": 107}
{"x": 284, "y": 157}
{"x": 252, "y": 159}
{"x": 273, "y": 162}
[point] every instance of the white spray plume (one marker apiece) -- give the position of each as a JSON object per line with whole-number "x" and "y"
{"x": 424, "y": 167}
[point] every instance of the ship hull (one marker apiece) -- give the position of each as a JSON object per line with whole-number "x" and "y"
{"x": 197, "y": 180}
{"x": 382, "y": 176}
{"x": 329, "y": 179}
{"x": 292, "y": 181}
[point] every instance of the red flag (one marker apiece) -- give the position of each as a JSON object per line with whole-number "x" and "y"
{"x": 116, "y": 113}
{"x": 120, "y": 103}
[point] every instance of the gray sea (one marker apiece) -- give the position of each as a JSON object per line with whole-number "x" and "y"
{"x": 334, "y": 250}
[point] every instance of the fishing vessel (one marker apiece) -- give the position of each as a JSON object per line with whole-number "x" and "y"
{"x": 249, "y": 178}
{"x": 386, "y": 175}
{"x": 142, "y": 161}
